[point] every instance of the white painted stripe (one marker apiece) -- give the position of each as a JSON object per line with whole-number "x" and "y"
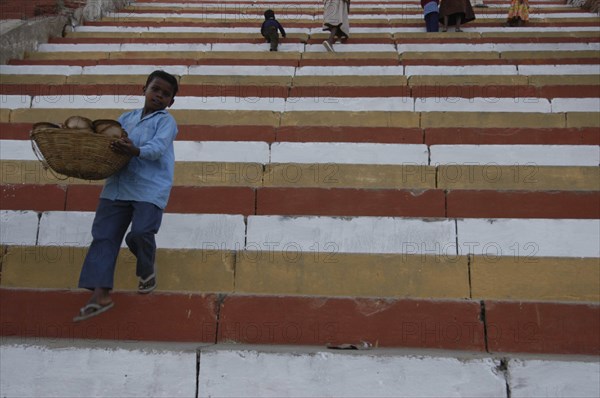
{"x": 275, "y": 70}
{"x": 144, "y": 70}
{"x": 352, "y": 48}
{"x": 576, "y": 105}
{"x": 381, "y": 30}
{"x": 104, "y": 47}
{"x": 554, "y": 378}
{"x": 246, "y": 373}
{"x": 166, "y": 47}
{"x": 467, "y": 70}
{"x": 66, "y": 228}
{"x": 40, "y": 70}
{"x": 18, "y": 228}
{"x": 365, "y": 104}
{"x": 495, "y": 47}
{"x": 15, "y": 101}
{"x": 229, "y": 17}
{"x": 264, "y": 47}
{"x": 508, "y": 155}
{"x": 350, "y": 235}
{"x": 185, "y": 151}
{"x": 454, "y": 104}
{"x": 134, "y": 101}
{"x": 230, "y": 103}
{"x": 222, "y": 151}
{"x": 16, "y": 150}
{"x": 350, "y": 71}
{"x": 177, "y": 231}
{"x": 33, "y": 370}
{"x": 530, "y": 70}
{"x": 348, "y": 153}
{"x": 241, "y": 70}
{"x": 317, "y": 104}
{"x": 525, "y": 239}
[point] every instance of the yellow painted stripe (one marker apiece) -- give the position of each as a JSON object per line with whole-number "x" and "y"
{"x": 492, "y": 119}
{"x": 351, "y": 119}
{"x": 583, "y": 119}
{"x": 523, "y": 277}
{"x": 548, "y": 54}
{"x": 474, "y": 80}
{"x": 294, "y": 175}
{"x": 78, "y": 55}
{"x": 232, "y": 80}
{"x": 58, "y": 267}
{"x": 333, "y": 82}
{"x": 33, "y": 79}
{"x": 450, "y": 55}
{"x": 523, "y": 177}
{"x": 327, "y": 273}
{"x": 565, "y": 80}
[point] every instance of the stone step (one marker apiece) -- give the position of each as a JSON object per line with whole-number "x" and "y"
{"x": 493, "y": 326}
{"x": 251, "y": 371}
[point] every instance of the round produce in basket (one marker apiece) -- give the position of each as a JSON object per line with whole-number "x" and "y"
{"x": 44, "y": 125}
{"x": 109, "y": 128}
{"x": 79, "y": 122}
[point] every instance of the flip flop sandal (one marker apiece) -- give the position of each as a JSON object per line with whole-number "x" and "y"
{"x": 147, "y": 285}
{"x": 91, "y": 310}
{"x": 328, "y": 46}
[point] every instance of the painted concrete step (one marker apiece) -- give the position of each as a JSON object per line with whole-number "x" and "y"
{"x": 376, "y": 235}
{"x": 251, "y": 371}
{"x": 391, "y": 135}
{"x": 453, "y": 177}
{"x": 323, "y": 201}
{"x": 432, "y": 272}
{"x": 443, "y": 324}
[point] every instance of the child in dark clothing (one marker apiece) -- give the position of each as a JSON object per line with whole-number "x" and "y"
{"x": 269, "y": 29}
{"x": 431, "y": 14}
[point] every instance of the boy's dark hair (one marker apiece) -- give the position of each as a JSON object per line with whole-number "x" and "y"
{"x": 169, "y": 78}
{"x": 269, "y": 14}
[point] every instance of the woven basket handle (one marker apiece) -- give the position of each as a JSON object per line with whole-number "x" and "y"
{"x": 38, "y": 154}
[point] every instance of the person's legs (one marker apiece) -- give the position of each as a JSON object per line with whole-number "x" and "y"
{"x": 273, "y": 37}
{"x": 97, "y": 273}
{"x": 110, "y": 223}
{"x": 333, "y": 32}
{"x": 432, "y": 22}
{"x": 141, "y": 240}
{"x": 445, "y": 27}
{"x": 458, "y": 22}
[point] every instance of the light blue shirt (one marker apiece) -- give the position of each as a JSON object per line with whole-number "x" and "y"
{"x": 430, "y": 7}
{"x": 148, "y": 177}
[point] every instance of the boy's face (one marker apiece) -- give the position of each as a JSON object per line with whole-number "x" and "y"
{"x": 159, "y": 95}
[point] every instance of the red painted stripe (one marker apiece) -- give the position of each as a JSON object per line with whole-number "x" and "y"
{"x": 490, "y": 136}
{"x": 183, "y": 199}
{"x": 543, "y": 327}
{"x": 494, "y": 204}
{"x": 32, "y": 197}
{"x": 226, "y": 133}
{"x": 432, "y": 136}
{"x": 330, "y": 90}
{"x": 442, "y": 93}
{"x": 346, "y": 202}
{"x": 473, "y": 61}
{"x": 212, "y": 200}
{"x": 153, "y": 317}
{"x": 381, "y": 322}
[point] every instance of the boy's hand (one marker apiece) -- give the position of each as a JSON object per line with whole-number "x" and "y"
{"x": 125, "y": 146}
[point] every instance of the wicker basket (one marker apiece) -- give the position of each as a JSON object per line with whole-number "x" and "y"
{"x": 78, "y": 153}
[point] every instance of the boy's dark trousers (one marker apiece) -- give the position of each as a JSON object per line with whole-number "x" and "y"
{"x": 272, "y": 36}
{"x": 432, "y": 22}
{"x": 110, "y": 224}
